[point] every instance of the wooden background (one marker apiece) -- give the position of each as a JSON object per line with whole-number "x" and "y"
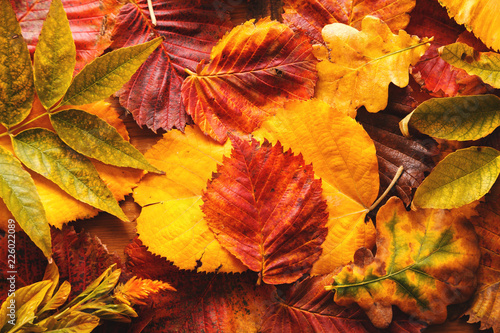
{"x": 116, "y": 234}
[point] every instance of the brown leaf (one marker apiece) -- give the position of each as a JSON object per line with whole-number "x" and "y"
{"x": 265, "y": 207}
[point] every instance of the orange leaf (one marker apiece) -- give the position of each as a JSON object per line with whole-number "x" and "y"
{"x": 137, "y": 289}
{"x": 254, "y": 68}
{"x": 265, "y": 207}
{"x": 310, "y": 16}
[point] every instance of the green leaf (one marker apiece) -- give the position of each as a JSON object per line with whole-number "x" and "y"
{"x": 45, "y": 153}
{"x": 486, "y": 65}
{"x": 455, "y": 118}
{"x": 108, "y": 73}
{"x": 460, "y": 178}
{"x": 55, "y": 56}
{"x": 93, "y": 137}
{"x": 16, "y": 73}
{"x": 26, "y": 302}
{"x": 425, "y": 261}
{"x": 20, "y": 195}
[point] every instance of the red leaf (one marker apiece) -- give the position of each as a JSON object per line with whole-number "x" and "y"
{"x": 202, "y": 303}
{"x": 190, "y": 29}
{"x": 265, "y": 207}
{"x": 90, "y": 21}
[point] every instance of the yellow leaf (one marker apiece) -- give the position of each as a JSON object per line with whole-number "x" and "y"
{"x": 171, "y": 223}
{"x": 478, "y": 16}
{"x": 358, "y": 66}
{"x": 343, "y": 156}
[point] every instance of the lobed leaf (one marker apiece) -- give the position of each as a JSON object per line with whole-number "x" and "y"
{"x": 425, "y": 261}
{"x": 16, "y": 74}
{"x": 45, "y": 153}
{"x": 54, "y": 56}
{"x": 19, "y": 194}
{"x": 93, "y": 137}
{"x": 108, "y": 73}
{"x": 310, "y": 16}
{"x": 344, "y": 158}
{"x": 171, "y": 223}
{"x": 265, "y": 207}
{"x": 460, "y": 178}
{"x": 254, "y": 68}
{"x": 357, "y": 67}
{"x": 486, "y": 65}
{"x": 455, "y": 118}
{"x": 478, "y": 16}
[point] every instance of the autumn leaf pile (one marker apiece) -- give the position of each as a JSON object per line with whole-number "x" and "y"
{"x": 333, "y": 169}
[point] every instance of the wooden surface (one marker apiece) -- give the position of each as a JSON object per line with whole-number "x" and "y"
{"x": 116, "y": 234}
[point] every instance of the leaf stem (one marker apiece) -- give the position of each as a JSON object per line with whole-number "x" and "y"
{"x": 152, "y": 13}
{"x": 388, "y": 189}
{"x": 23, "y": 124}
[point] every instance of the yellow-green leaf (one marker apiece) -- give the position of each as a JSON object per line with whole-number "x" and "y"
{"x": 59, "y": 298}
{"x": 26, "y": 302}
{"x": 425, "y": 261}
{"x": 357, "y": 67}
{"x": 45, "y": 153}
{"x": 108, "y": 73}
{"x": 19, "y": 194}
{"x": 455, "y": 118}
{"x": 55, "y": 56}
{"x": 93, "y": 137}
{"x": 460, "y": 178}
{"x": 16, "y": 74}
{"x": 486, "y": 65}
{"x": 478, "y": 16}
{"x": 73, "y": 322}
{"x": 171, "y": 223}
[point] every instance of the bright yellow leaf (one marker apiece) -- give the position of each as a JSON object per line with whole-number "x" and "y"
{"x": 343, "y": 156}
{"x": 358, "y": 66}
{"x": 171, "y": 223}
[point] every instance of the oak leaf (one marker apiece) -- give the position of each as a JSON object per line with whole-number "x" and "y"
{"x": 265, "y": 207}
{"x": 91, "y": 22}
{"x": 310, "y": 16}
{"x": 190, "y": 29}
{"x": 478, "y": 16}
{"x": 357, "y": 67}
{"x": 487, "y": 226}
{"x": 255, "y": 68}
{"x": 343, "y": 156}
{"x": 171, "y": 223}
{"x": 425, "y": 261}
{"x": 202, "y": 303}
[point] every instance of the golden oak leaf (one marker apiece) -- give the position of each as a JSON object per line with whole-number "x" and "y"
{"x": 343, "y": 156}
{"x": 310, "y": 16}
{"x": 478, "y": 16}
{"x": 254, "y": 68}
{"x": 59, "y": 206}
{"x": 171, "y": 223}
{"x": 265, "y": 207}
{"x": 425, "y": 261}
{"x": 358, "y": 66}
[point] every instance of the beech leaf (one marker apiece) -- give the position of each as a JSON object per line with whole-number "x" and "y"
{"x": 265, "y": 207}
{"x": 455, "y": 118}
{"x": 425, "y": 261}
{"x": 460, "y": 178}
{"x": 343, "y": 156}
{"x": 478, "y": 16}
{"x": 19, "y": 194}
{"x": 254, "y": 68}
{"x": 45, "y": 153}
{"x": 108, "y": 73}
{"x": 357, "y": 67}
{"x": 54, "y": 56}
{"x": 486, "y": 65}
{"x": 93, "y": 137}
{"x": 171, "y": 223}
{"x": 16, "y": 77}
{"x": 310, "y": 16}
{"x": 190, "y": 29}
